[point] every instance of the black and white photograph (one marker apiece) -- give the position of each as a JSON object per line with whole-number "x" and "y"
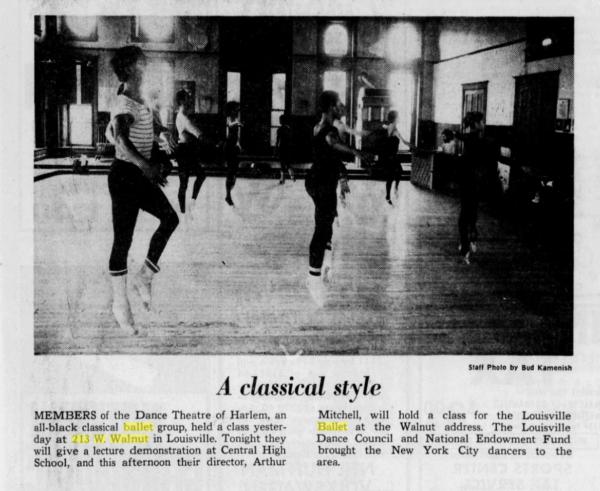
{"x": 263, "y": 245}
{"x": 220, "y": 185}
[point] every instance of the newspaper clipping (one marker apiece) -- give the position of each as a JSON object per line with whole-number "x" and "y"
{"x": 300, "y": 245}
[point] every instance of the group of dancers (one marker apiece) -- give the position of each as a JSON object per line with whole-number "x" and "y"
{"x": 140, "y": 170}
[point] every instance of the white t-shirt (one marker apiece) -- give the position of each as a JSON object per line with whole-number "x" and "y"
{"x": 184, "y": 125}
{"x": 449, "y": 148}
{"x": 141, "y": 132}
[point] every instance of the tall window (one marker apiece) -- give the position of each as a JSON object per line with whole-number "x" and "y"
{"x": 336, "y": 41}
{"x": 401, "y": 85}
{"x": 80, "y": 27}
{"x": 403, "y": 43}
{"x": 336, "y": 80}
{"x": 234, "y": 83}
{"x": 77, "y": 111}
{"x": 335, "y": 60}
{"x": 277, "y": 104}
{"x": 153, "y": 29}
{"x": 37, "y": 25}
{"x": 80, "y": 118}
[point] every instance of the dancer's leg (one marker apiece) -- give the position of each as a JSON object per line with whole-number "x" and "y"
{"x": 154, "y": 201}
{"x": 125, "y": 209}
{"x": 183, "y": 185}
{"x": 232, "y": 169}
{"x": 325, "y": 200}
{"x": 200, "y": 178}
{"x": 388, "y": 188}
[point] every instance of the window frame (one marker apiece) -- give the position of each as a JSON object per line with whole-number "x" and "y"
{"x": 38, "y": 22}
{"x": 324, "y": 26}
{"x": 68, "y": 33}
{"x": 138, "y": 36}
{"x": 278, "y": 110}
{"x": 343, "y": 63}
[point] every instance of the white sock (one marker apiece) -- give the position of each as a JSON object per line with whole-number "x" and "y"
{"x": 121, "y": 308}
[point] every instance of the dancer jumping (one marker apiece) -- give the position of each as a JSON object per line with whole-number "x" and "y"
{"x": 232, "y": 146}
{"x": 187, "y": 152}
{"x": 389, "y": 153}
{"x": 468, "y": 182}
{"x": 134, "y": 183}
{"x": 321, "y": 184}
{"x": 284, "y": 147}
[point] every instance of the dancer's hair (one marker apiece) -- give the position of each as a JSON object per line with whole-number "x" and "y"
{"x": 125, "y": 58}
{"x": 327, "y": 99}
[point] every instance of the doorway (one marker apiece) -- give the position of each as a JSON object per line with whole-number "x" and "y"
{"x": 536, "y": 97}
{"x": 256, "y": 60}
{"x": 474, "y": 100}
{"x": 78, "y": 102}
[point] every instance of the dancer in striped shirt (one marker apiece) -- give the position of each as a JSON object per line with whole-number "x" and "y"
{"x": 134, "y": 185}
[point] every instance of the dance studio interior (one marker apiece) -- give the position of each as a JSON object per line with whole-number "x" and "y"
{"x": 232, "y": 279}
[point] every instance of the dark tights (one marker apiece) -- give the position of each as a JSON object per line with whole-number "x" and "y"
{"x": 392, "y": 175}
{"x": 130, "y": 192}
{"x": 184, "y": 178}
{"x": 189, "y": 163}
{"x": 233, "y": 164}
{"x": 467, "y": 220}
{"x": 324, "y": 196}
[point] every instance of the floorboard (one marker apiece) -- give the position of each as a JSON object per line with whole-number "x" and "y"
{"x": 232, "y": 279}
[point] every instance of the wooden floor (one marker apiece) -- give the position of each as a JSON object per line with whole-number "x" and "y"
{"x": 232, "y": 279}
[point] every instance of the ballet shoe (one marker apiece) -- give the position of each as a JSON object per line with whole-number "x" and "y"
{"x": 316, "y": 288}
{"x": 124, "y": 318}
{"x": 229, "y": 201}
{"x": 327, "y": 270}
{"x": 142, "y": 282}
{"x": 120, "y": 307}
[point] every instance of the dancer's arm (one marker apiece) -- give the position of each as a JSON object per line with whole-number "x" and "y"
{"x": 333, "y": 140}
{"x": 157, "y": 125}
{"x": 192, "y": 128}
{"x": 352, "y": 131}
{"x": 121, "y": 124}
{"x": 397, "y": 134}
{"x": 344, "y": 189}
{"x": 360, "y": 134}
{"x": 232, "y": 123}
{"x": 163, "y": 135}
{"x": 239, "y": 124}
{"x": 459, "y": 135}
{"x": 110, "y": 132}
{"x": 167, "y": 143}
{"x": 167, "y": 137}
